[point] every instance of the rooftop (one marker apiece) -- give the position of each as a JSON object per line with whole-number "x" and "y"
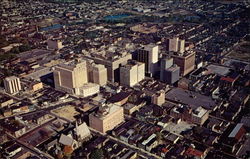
{"x": 193, "y": 99}
{"x": 217, "y": 69}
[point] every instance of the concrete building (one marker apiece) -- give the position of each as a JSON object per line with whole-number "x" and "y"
{"x": 12, "y": 85}
{"x": 176, "y": 45}
{"x": 169, "y": 73}
{"x": 97, "y": 73}
{"x": 87, "y": 89}
{"x": 108, "y": 117}
{"x": 166, "y": 63}
{"x": 54, "y": 44}
{"x": 158, "y": 98}
{"x": 36, "y": 86}
{"x": 196, "y": 116}
{"x": 132, "y": 73}
{"x": 100, "y": 75}
{"x": 186, "y": 62}
{"x": 112, "y": 63}
{"x": 149, "y": 55}
{"x": 181, "y": 46}
{"x": 173, "y": 44}
{"x": 70, "y": 76}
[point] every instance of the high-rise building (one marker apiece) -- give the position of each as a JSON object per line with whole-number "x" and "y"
{"x": 107, "y": 117}
{"x": 97, "y": 73}
{"x": 176, "y": 45}
{"x": 132, "y": 73}
{"x": 173, "y": 44}
{"x": 12, "y": 84}
{"x": 149, "y": 55}
{"x": 169, "y": 73}
{"x": 165, "y": 64}
{"x": 181, "y": 46}
{"x": 100, "y": 75}
{"x": 112, "y": 63}
{"x": 70, "y": 76}
{"x": 186, "y": 62}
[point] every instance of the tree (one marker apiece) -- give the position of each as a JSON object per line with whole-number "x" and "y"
{"x": 68, "y": 150}
{"x": 97, "y": 154}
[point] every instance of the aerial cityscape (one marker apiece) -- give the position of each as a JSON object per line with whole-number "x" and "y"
{"x": 124, "y": 79}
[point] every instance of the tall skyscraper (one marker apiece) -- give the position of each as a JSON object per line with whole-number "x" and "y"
{"x": 186, "y": 62}
{"x": 132, "y": 73}
{"x": 97, "y": 73}
{"x": 112, "y": 63}
{"x": 172, "y": 74}
{"x": 12, "y": 84}
{"x": 169, "y": 72}
{"x": 70, "y": 76}
{"x": 149, "y": 55}
{"x": 176, "y": 45}
{"x": 173, "y": 44}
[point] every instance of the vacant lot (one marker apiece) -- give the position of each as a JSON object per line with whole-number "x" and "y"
{"x": 67, "y": 112}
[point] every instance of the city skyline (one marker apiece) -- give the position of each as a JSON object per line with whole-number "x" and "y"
{"x": 121, "y": 79}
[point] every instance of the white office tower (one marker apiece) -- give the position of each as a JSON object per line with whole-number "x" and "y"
{"x": 181, "y": 46}
{"x": 173, "y": 44}
{"x": 132, "y": 73}
{"x": 97, "y": 73}
{"x": 176, "y": 45}
{"x": 70, "y": 76}
{"x": 12, "y": 85}
{"x": 149, "y": 55}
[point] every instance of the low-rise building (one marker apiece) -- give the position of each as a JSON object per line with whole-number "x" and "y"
{"x": 197, "y": 116}
{"x": 158, "y": 98}
{"x": 54, "y": 44}
{"x": 5, "y": 101}
{"x": 13, "y": 127}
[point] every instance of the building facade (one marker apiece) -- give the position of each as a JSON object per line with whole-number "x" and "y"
{"x": 158, "y": 98}
{"x": 112, "y": 64}
{"x": 12, "y": 85}
{"x": 132, "y": 73}
{"x": 149, "y": 55}
{"x": 176, "y": 45}
{"x": 106, "y": 118}
{"x": 171, "y": 75}
{"x": 97, "y": 73}
{"x": 70, "y": 76}
{"x": 197, "y": 116}
{"x": 186, "y": 62}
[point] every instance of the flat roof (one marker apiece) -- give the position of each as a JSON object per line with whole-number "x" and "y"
{"x": 193, "y": 99}
{"x": 35, "y": 54}
{"x": 236, "y": 130}
{"x": 220, "y": 70}
{"x": 39, "y": 73}
{"x": 200, "y": 112}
